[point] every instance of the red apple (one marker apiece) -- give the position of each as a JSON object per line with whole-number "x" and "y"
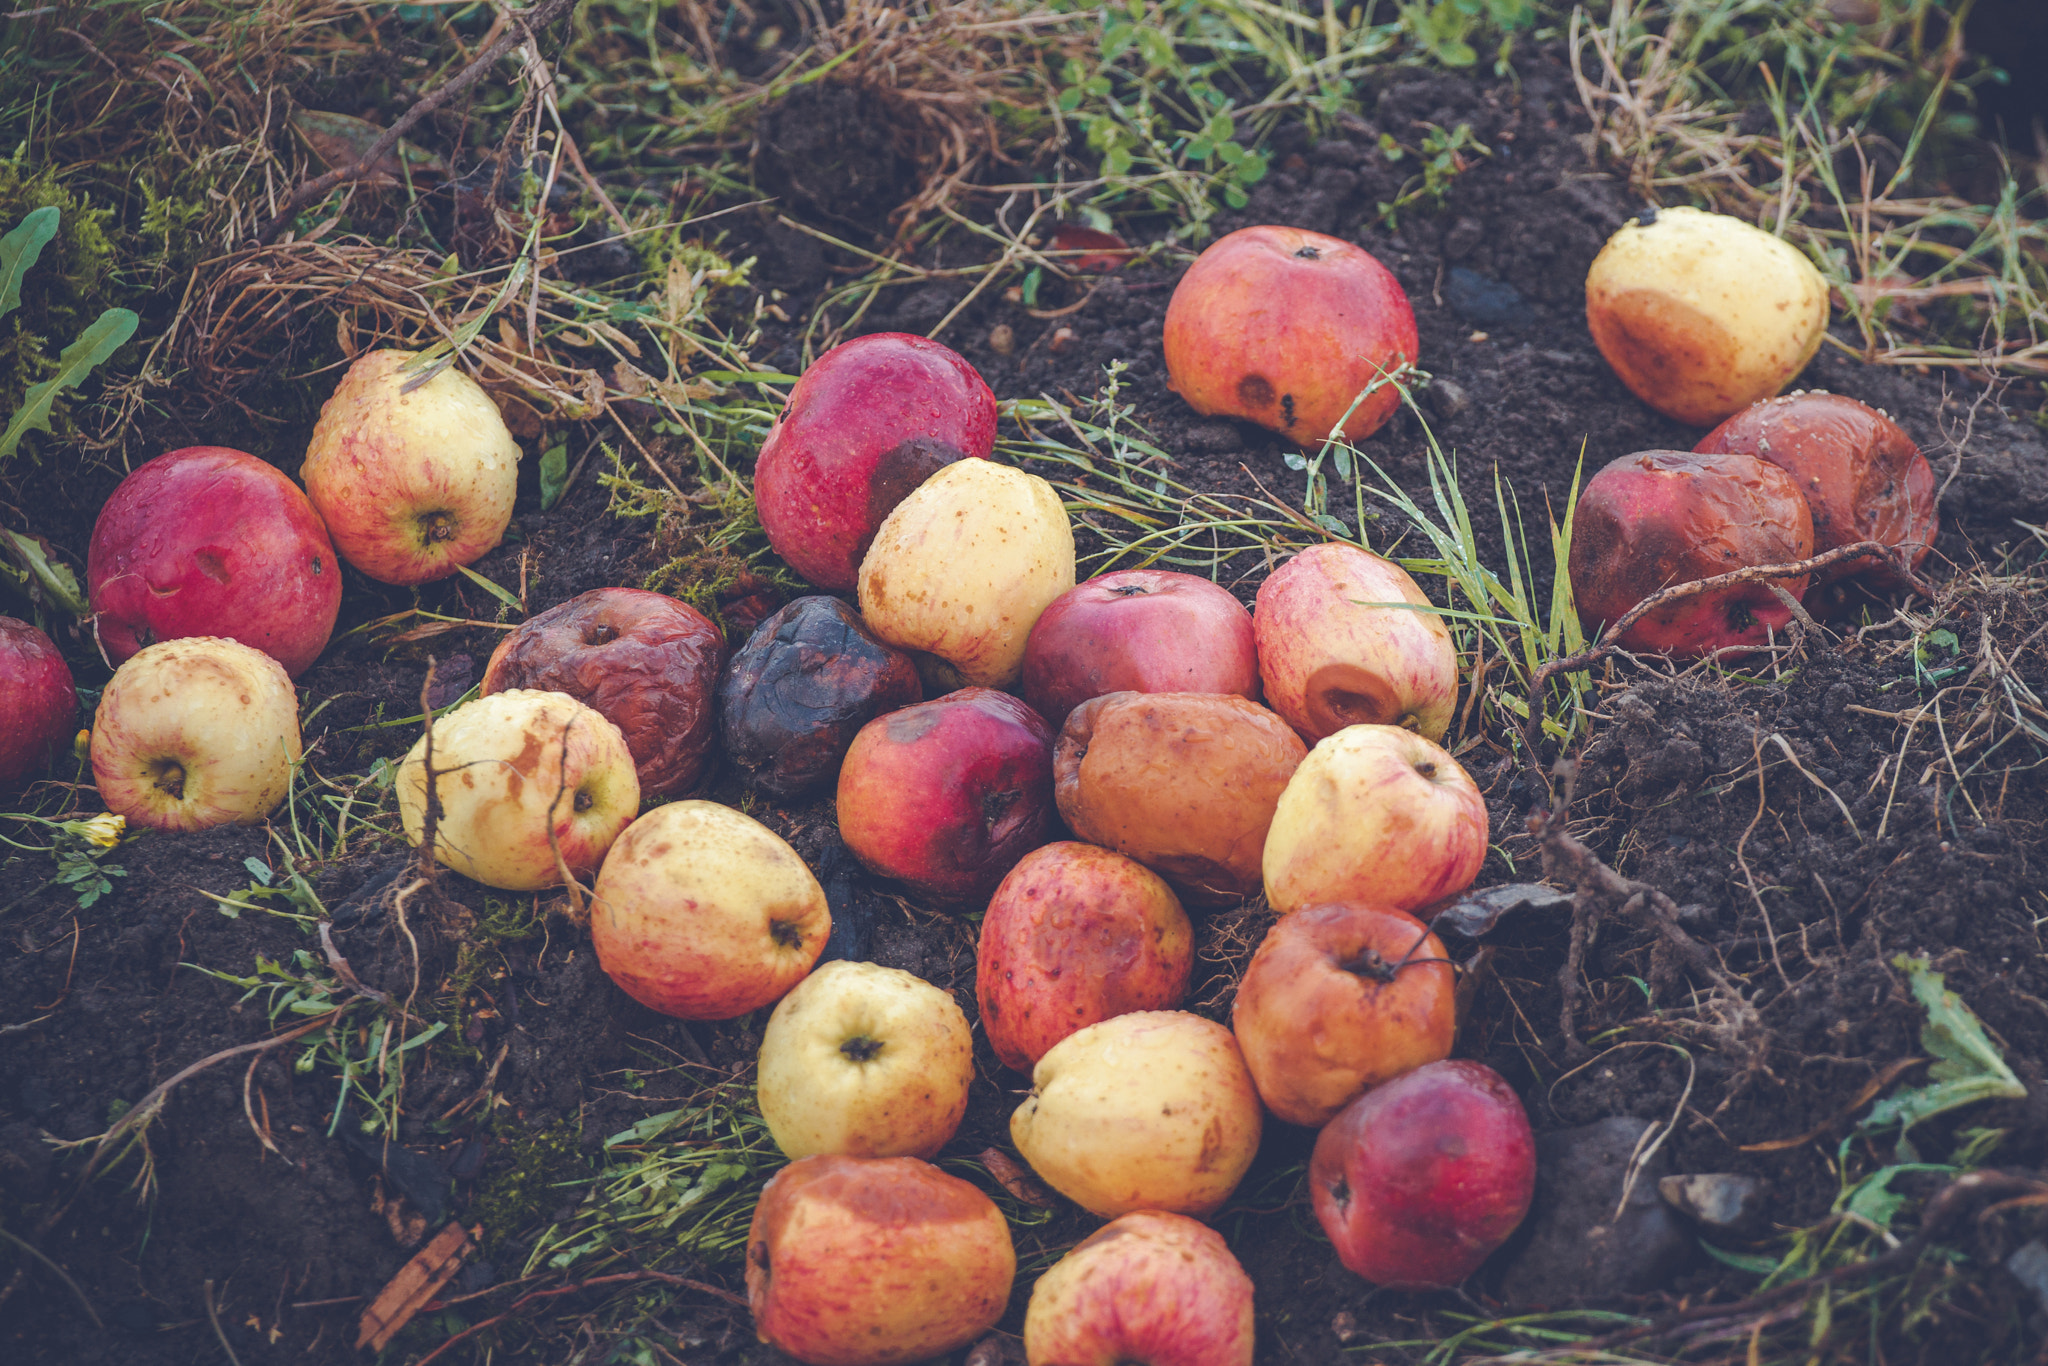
{"x": 1074, "y": 935}
{"x": 42, "y": 705}
{"x": 1658, "y": 518}
{"x": 1375, "y": 814}
{"x": 1150, "y": 1287}
{"x": 1138, "y": 630}
{"x": 872, "y": 1261}
{"x": 414, "y": 482}
{"x": 645, "y": 662}
{"x": 868, "y": 422}
{"x": 1347, "y": 637}
{"x": 801, "y": 688}
{"x": 206, "y": 541}
{"x": 948, "y": 795}
{"x": 1338, "y": 998}
{"x": 1287, "y": 328}
{"x": 1862, "y": 476}
{"x": 1417, "y": 1181}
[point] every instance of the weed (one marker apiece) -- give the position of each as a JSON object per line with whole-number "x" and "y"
{"x": 1443, "y": 160}
{"x": 80, "y": 848}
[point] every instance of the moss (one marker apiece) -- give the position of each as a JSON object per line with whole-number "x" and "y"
{"x": 72, "y": 282}
{"x": 527, "y": 1183}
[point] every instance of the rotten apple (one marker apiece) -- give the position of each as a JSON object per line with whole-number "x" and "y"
{"x": 704, "y": 913}
{"x": 207, "y": 541}
{"x": 1346, "y": 637}
{"x": 1376, "y": 814}
{"x": 801, "y": 688}
{"x": 1338, "y": 998}
{"x": 869, "y": 421}
{"x": 947, "y": 795}
{"x": 1185, "y": 783}
{"x": 1149, "y": 1287}
{"x": 875, "y": 1261}
{"x": 1075, "y": 935}
{"x": 42, "y": 704}
{"x": 1138, "y": 630}
{"x": 643, "y": 661}
{"x": 1658, "y": 518}
{"x": 1287, "y": 328}
{"x": 1418, "y": 1180}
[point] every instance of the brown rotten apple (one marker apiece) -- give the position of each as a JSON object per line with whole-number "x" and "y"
{"x": 949, "y": 794}
{"x": 875, "y": 1261}
{"x": 1185, "y": 783}
{"x": 1347, "y": 637}
{"x": 1658, "y": 518}
{"x": 1287, "y": 328}
{"x": 643, "y": 661}
{"x": 1075, "y": 935}
{"x": 1149, "y": 1287}
{"x": 869, "y": 421}
{"x": 1862, "y": 476}
{"x": 1341, "y": 997}
{"x": 1138, "y": 630}
{"x": 801, "y": 688}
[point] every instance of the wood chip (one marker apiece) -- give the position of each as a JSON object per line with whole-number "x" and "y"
{"x": 1014, "y": 1177}
{"x": 416, "y": 1283}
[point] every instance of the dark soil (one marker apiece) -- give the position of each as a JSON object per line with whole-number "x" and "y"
{"x": 1684, "y": 782}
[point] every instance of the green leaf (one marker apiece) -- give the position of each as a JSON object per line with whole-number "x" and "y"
{"x": 1755, "y": 1264}
{"x": 554, "y": 474}
{"x": 95, "y": 344}
{"x": 501, "y": 594}
{"x": 57, "y": 581}
{"x": 1967, "y": 1067}
{"x": 258, "y": 869}
{"x": 1872, "y": 1198}
{"x": 18, "y": 252}
{"x": 1032, "y": 279}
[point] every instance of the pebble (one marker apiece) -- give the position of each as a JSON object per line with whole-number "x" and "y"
{"x": 1448, "y": 398}
{"x": 1576, "y": 1249}
{"x": 1719, "y": 1202}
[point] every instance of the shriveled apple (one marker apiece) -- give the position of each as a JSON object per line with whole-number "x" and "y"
{"x": 1862, "y": 476}
{"x": 1185, "y": 783}
{"x": 1658, "y": 518}
{"x": 964, "y": 566}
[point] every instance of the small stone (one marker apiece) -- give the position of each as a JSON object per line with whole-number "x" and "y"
{"x": 2029, "y": 1266}
{"x": 1720, "y": 1202}
{"x": 1062, "y": 341}
{"x": 1577, "y": 1249}
{"x": 1484, "y": 302}
{"x": 1345, "y": 1325}
{"x": 997, "y": 1349}
{"x": 1448, "y": 398}
{"x": 1002, "y": 339}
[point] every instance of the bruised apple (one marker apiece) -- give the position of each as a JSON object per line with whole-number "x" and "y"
{"x": 1862, "y": 476}
{"x": 964, "y": 566}
{"x": 1149, "y": 1287}
{"x": 42, "y": 703}
{"x": 1658, "y": 518}
{"x": 1701, "y": 314}
{"x": 948, "y": 795}
{"x": 704, "y": 913}
{"x": 1151, "y": 1110}
{"x": 1338, "y": 998}
{"x": 801, "y": 688}
{"x": 1138, "y": 630}
{"x": 643, "y": 661}
{"x": 1286, "y": 328}
{"x": 1346, "y": 637}
{"x": 1377, "y": 814}
{"x": 875, "y": 1261}
{"x": 1418, "y": 1180}
{"x": 1074, "y": 935}
{"x": 1185, "y": 783}
{"x": 869, "y": 421}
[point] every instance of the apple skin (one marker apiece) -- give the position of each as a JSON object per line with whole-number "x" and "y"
{"x": 1862, "y": 476}
{"x": 1321, "y": 1015}
{"x": 869, "y": 421}
{"x": 411, "y": 486}
{"x": 1150, "y": 1110}
{"x": 1329, "y": 659}
{"x": 1657, "y": 518}
{"x": 1419, "y": 1180}
{"x": 947, "y": 795}
{"x": 1148, "y": 1287}
{"x": 643, "y": 661}
{"x": 42, "y": 703}
{"x": 875, "y": 1261}
{"x": 1378, "y": 814}
{"x": 865, "y": 1061}
{"x": 1138, "y": 630}
{"x": 1286, "y": 327}
{"x": 704, "y": 913}
{"x": 1075, "y": 935}
{"x": 207, "y": 541}
{"x": 510, "y": 768}
{"x": 195, "y": 732}
{"x": 801, "y": 688}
